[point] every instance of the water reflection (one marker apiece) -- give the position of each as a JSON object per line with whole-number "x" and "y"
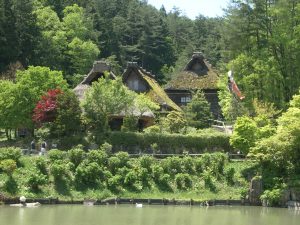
{"x": 148, "y": 215}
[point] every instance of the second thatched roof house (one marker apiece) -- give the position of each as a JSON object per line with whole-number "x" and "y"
{"x": 139, "y": 80}
{"x": 198, "y": 74}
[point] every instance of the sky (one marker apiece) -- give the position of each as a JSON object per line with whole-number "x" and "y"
{"x": 192, "y": 8}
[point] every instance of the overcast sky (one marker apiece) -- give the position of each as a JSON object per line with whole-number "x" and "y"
{"x": 192, "y": 8}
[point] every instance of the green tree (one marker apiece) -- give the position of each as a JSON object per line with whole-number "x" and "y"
{"x": 105, "y": 98}
{"x": 198, "y": 112}
{"x": 82, "y": 54}
{"x": 31, "y": 85}
{"x": 244, "y": 134}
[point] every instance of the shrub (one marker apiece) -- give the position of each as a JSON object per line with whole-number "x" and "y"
{"x": 169, "y": 143}
{"x": 10, "y": 153}
{"x": 244, "y": 134}
{"x": 41, "y": 165}
{"x": 114, "y": 184}
{"x": 208, "y": 181}
{"x": 164, "y": 182}
{"x": 8, "y": 166}
{"x": 106, "y": 147}
{"x": 130, "y": 123}
{"x": 229, "y": 175}
{"x": 146, "y": 162}
{"x": 123, "y": 157}
{"x": 98, "y": 156}
{"x": 36, "y": 179}
{"x": 183, "y": 181}
{"x": 55, "y": 155}
{"x": 113, "y": 164}
{"x": 132, "y": 181}
{"x": 172, "y": 165}
{"x": 188, "y": 165}
{"x": 272, "y": 197}
{"x": 76, "y": 156}
{"x": 60, "y": 170}
{"x": 88, "y": 173}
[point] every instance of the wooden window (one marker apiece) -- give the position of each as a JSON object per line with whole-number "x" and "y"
{"x": 185, "y": 99}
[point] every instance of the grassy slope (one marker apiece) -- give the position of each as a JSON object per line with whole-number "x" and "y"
{"x": 199, "y": 192}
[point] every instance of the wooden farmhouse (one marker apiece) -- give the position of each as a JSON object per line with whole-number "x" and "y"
{"x": 136, "y": 79}
{"x": 98, "y": 70}
{"x": 198, "y": 74}
{"x": 139, "y": 80}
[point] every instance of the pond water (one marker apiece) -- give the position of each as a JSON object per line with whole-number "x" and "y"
{"x": 147, "y": 215}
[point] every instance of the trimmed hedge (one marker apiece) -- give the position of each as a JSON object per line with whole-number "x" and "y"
{"x": 168, "y": 143}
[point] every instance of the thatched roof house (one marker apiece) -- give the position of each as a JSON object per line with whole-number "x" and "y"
{"x": 198, "y": 74}
{"x": 141, "y": 81}
{"x": 98, "y": 70}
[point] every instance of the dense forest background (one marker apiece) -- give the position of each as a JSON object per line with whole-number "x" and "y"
{"x": 258, "y": 39}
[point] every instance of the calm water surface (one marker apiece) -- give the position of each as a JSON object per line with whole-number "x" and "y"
{"x": 148, "y": 215}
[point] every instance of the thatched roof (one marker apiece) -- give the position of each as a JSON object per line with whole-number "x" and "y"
{"x": 155, "y": 92}
{"x": 98, "y": 70}
{"x": 198, "y": 74}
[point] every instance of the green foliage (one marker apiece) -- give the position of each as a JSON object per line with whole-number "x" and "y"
{"x": 10, "y": 153}
{"x": 60, "y": 170}
{"x": 272, "y": 197}
{"x": 197, "y": 112}
{"x": 209, "y": 181}
{"x": 170, "y": 143}
{"x": 229, "y": 175}
{"x": 183, "y": 181}
{"x": 76, "y": 156}
{"x": 106, "y": 97}
{"x": 67, "y": 121}
{"x": 174, "y": 122}
{"x": 35, "y": 180}
{"x": 32, "y": 84}
{"x": 55, "y": 155}
{"x": 98, "y": 156}
{"x": 130, "y": 123}
{"x": 244, "y": 134}
{"x": 8, "y": 166}
{"x": 41, "y": 165}
{"x": 88, "y": 173}
{"x": 114, "y": 184}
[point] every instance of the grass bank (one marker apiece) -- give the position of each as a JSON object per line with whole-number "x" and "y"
{"x": 77, "y": 175}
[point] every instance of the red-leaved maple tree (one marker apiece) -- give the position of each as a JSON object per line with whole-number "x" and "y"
{"x": 45, "y": 109}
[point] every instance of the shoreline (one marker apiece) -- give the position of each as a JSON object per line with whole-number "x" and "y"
{"x": 128, "y": 201}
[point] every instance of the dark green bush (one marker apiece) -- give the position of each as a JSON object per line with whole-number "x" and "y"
{"x": 35, "y": 179}
{"x": 229, "y": 175}
{"x": 114, "y": 164}
{"x": 169, "y": 143}
{"x": 183, "y": 181}
{"x": 208, "y": 181}
{"x": 164, "y": 182}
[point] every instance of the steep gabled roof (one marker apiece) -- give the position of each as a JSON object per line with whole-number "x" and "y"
{"x": 198, "y": 74}
{"x": 155, "y": 92}
{"x": 98, "y": 70}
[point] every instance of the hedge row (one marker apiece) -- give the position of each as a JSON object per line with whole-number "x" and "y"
{"x": 168, "y": 143}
